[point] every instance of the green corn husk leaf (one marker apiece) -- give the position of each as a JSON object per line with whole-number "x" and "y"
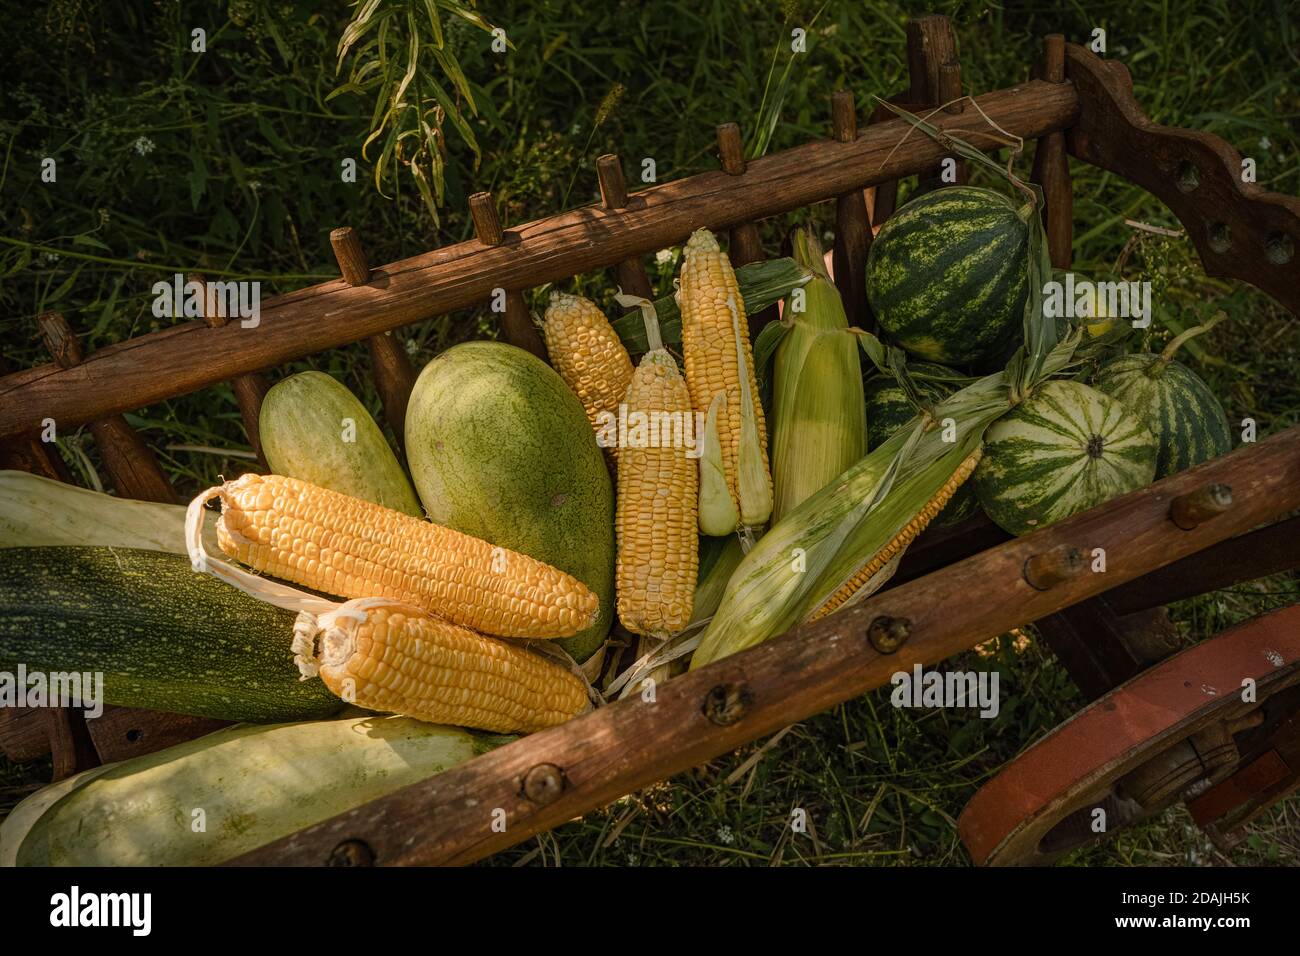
{"x": 819, "y": 421}
{"x": 761, "y": 284}
{"x": 719, "y": 558}
{"x": 806, "y": 557}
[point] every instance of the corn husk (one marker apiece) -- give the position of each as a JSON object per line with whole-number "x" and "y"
{"x": 807, "y": 556}
{"x": 761, "y": 284}
{"x": 818, "y": 410}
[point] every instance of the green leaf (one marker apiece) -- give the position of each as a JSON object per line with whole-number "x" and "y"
{"x": 198, "y": 176}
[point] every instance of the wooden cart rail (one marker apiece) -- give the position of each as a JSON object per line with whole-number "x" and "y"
{"x": 192, "y": 355}
{"x": 1080, "y": 104}
{"x": 550, "y": 777}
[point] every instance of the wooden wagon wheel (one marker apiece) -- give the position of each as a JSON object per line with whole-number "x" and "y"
{"x": 1183, "y": 729}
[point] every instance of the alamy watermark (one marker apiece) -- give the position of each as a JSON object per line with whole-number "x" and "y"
{"x": 637, "y": 429}
{"x": 192, "y": 300}
{"x": 932, "y": 689}
{"x": 1085, "y": 299}
{"x": 24, "y": 688}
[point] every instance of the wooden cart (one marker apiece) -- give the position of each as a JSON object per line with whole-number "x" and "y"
{"x": 1160, "y": 728}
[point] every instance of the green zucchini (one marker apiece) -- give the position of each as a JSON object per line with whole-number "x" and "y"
{"x": 314, "y": 429}
{"x": 41, "y": 512}
{"x": 209, "y": 800}
{"x": 164, "y": 637}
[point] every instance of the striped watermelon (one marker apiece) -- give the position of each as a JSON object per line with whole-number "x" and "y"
{"x": 1065, "y": 449}
{"x": 1175, "y": 403}
{"x": 947, "y": 276}
{"x": 888, "y": 410}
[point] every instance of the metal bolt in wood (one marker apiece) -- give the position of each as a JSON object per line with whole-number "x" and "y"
{"x": 543, "y": 783}
{"x": 727, "y": 703}
{"x": 1044, "y": 571}
{"x": 351, "y": 853}
{"x": 1199, "y": 506}
{"x": 887, "y": 634}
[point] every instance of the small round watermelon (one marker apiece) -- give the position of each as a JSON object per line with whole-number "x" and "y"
{"x": 888, "y": 410}
{"x": 1175, "y": 403}
{"x": 1065, "y": 449}
{"x": 947, "y": 276}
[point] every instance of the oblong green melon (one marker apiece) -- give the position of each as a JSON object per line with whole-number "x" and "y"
{"x": 1175, "y": 403}
{"x": 313, "y": 428}
{"x": 500, "y": 448}
{"x": 1065, "y": 449}
{"x": 947, "y": 276}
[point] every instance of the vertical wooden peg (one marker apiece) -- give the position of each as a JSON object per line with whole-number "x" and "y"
{"x": 249, "y": 388}
{"x": 394, "y": 376}
{"x": 1052, "y": 167}
{"x": 129, "y": 461}
{"x": 630, "y": 274}
{"x": 852, "y": 224}
{"x": 516, "y": 326}
{"x": 931, "y": 43}
{"x": 950, "y": 96}
{"x": 744, "y": 245}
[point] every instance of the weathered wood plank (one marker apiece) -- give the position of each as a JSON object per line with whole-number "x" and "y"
{"x": 616, "y": 749}
{"x": 191, "y": 356}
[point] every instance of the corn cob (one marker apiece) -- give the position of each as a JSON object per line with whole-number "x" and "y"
{"x": 398, "y": 659}
{"x": 340, "y": 545}
{"x": 587, "y": 353}
{"x": 656, "y": 516}
{"x": 819, "y": 425}
{"x": 720, "y": 372}
{"x": 900, "y": 541}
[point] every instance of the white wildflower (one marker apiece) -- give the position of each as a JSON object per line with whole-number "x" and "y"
{"x": 143, "y": 145}
{"x": 412, "y": 346}
{"x": 725, "y": 836}
{"x": 1265, "y": 142}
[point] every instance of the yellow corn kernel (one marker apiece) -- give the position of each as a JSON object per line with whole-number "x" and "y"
{"x": 719, "y": 359}
{"x": 655, "y": 520}
{"x": 587, "y": 352}
{"x": 398, "y": 659}
{"x": 903, "y": 538}
{"x": 340, "y": 545}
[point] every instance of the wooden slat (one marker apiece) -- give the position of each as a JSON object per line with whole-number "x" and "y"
{"x": 617, "y": 749}
{"x": 516, "y": 325}
{"x": 852, "y": 225}
{"x": 249, "y": 388}
{"x": 629, "y": 273}
{"x": 1249, "y": 557}
{"x": 189, "y": 356}
{"x": 392, "y": 371}
{"x": 744, "y": 244}
{"x": 931, "y": 44}
{"x": 1052, "y": 167}
{"x": 1240, "y": 230}
{"x": 133, "y": 467}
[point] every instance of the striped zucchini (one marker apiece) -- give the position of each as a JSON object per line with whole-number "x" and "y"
{"x": 1065, "y": 449}
{"x": 209, "y": 800}
{"x": 947, "y": 275}
{"x": 164, "y": 637}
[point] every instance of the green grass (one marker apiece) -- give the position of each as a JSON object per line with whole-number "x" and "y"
{"x": 229, "y": 163}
